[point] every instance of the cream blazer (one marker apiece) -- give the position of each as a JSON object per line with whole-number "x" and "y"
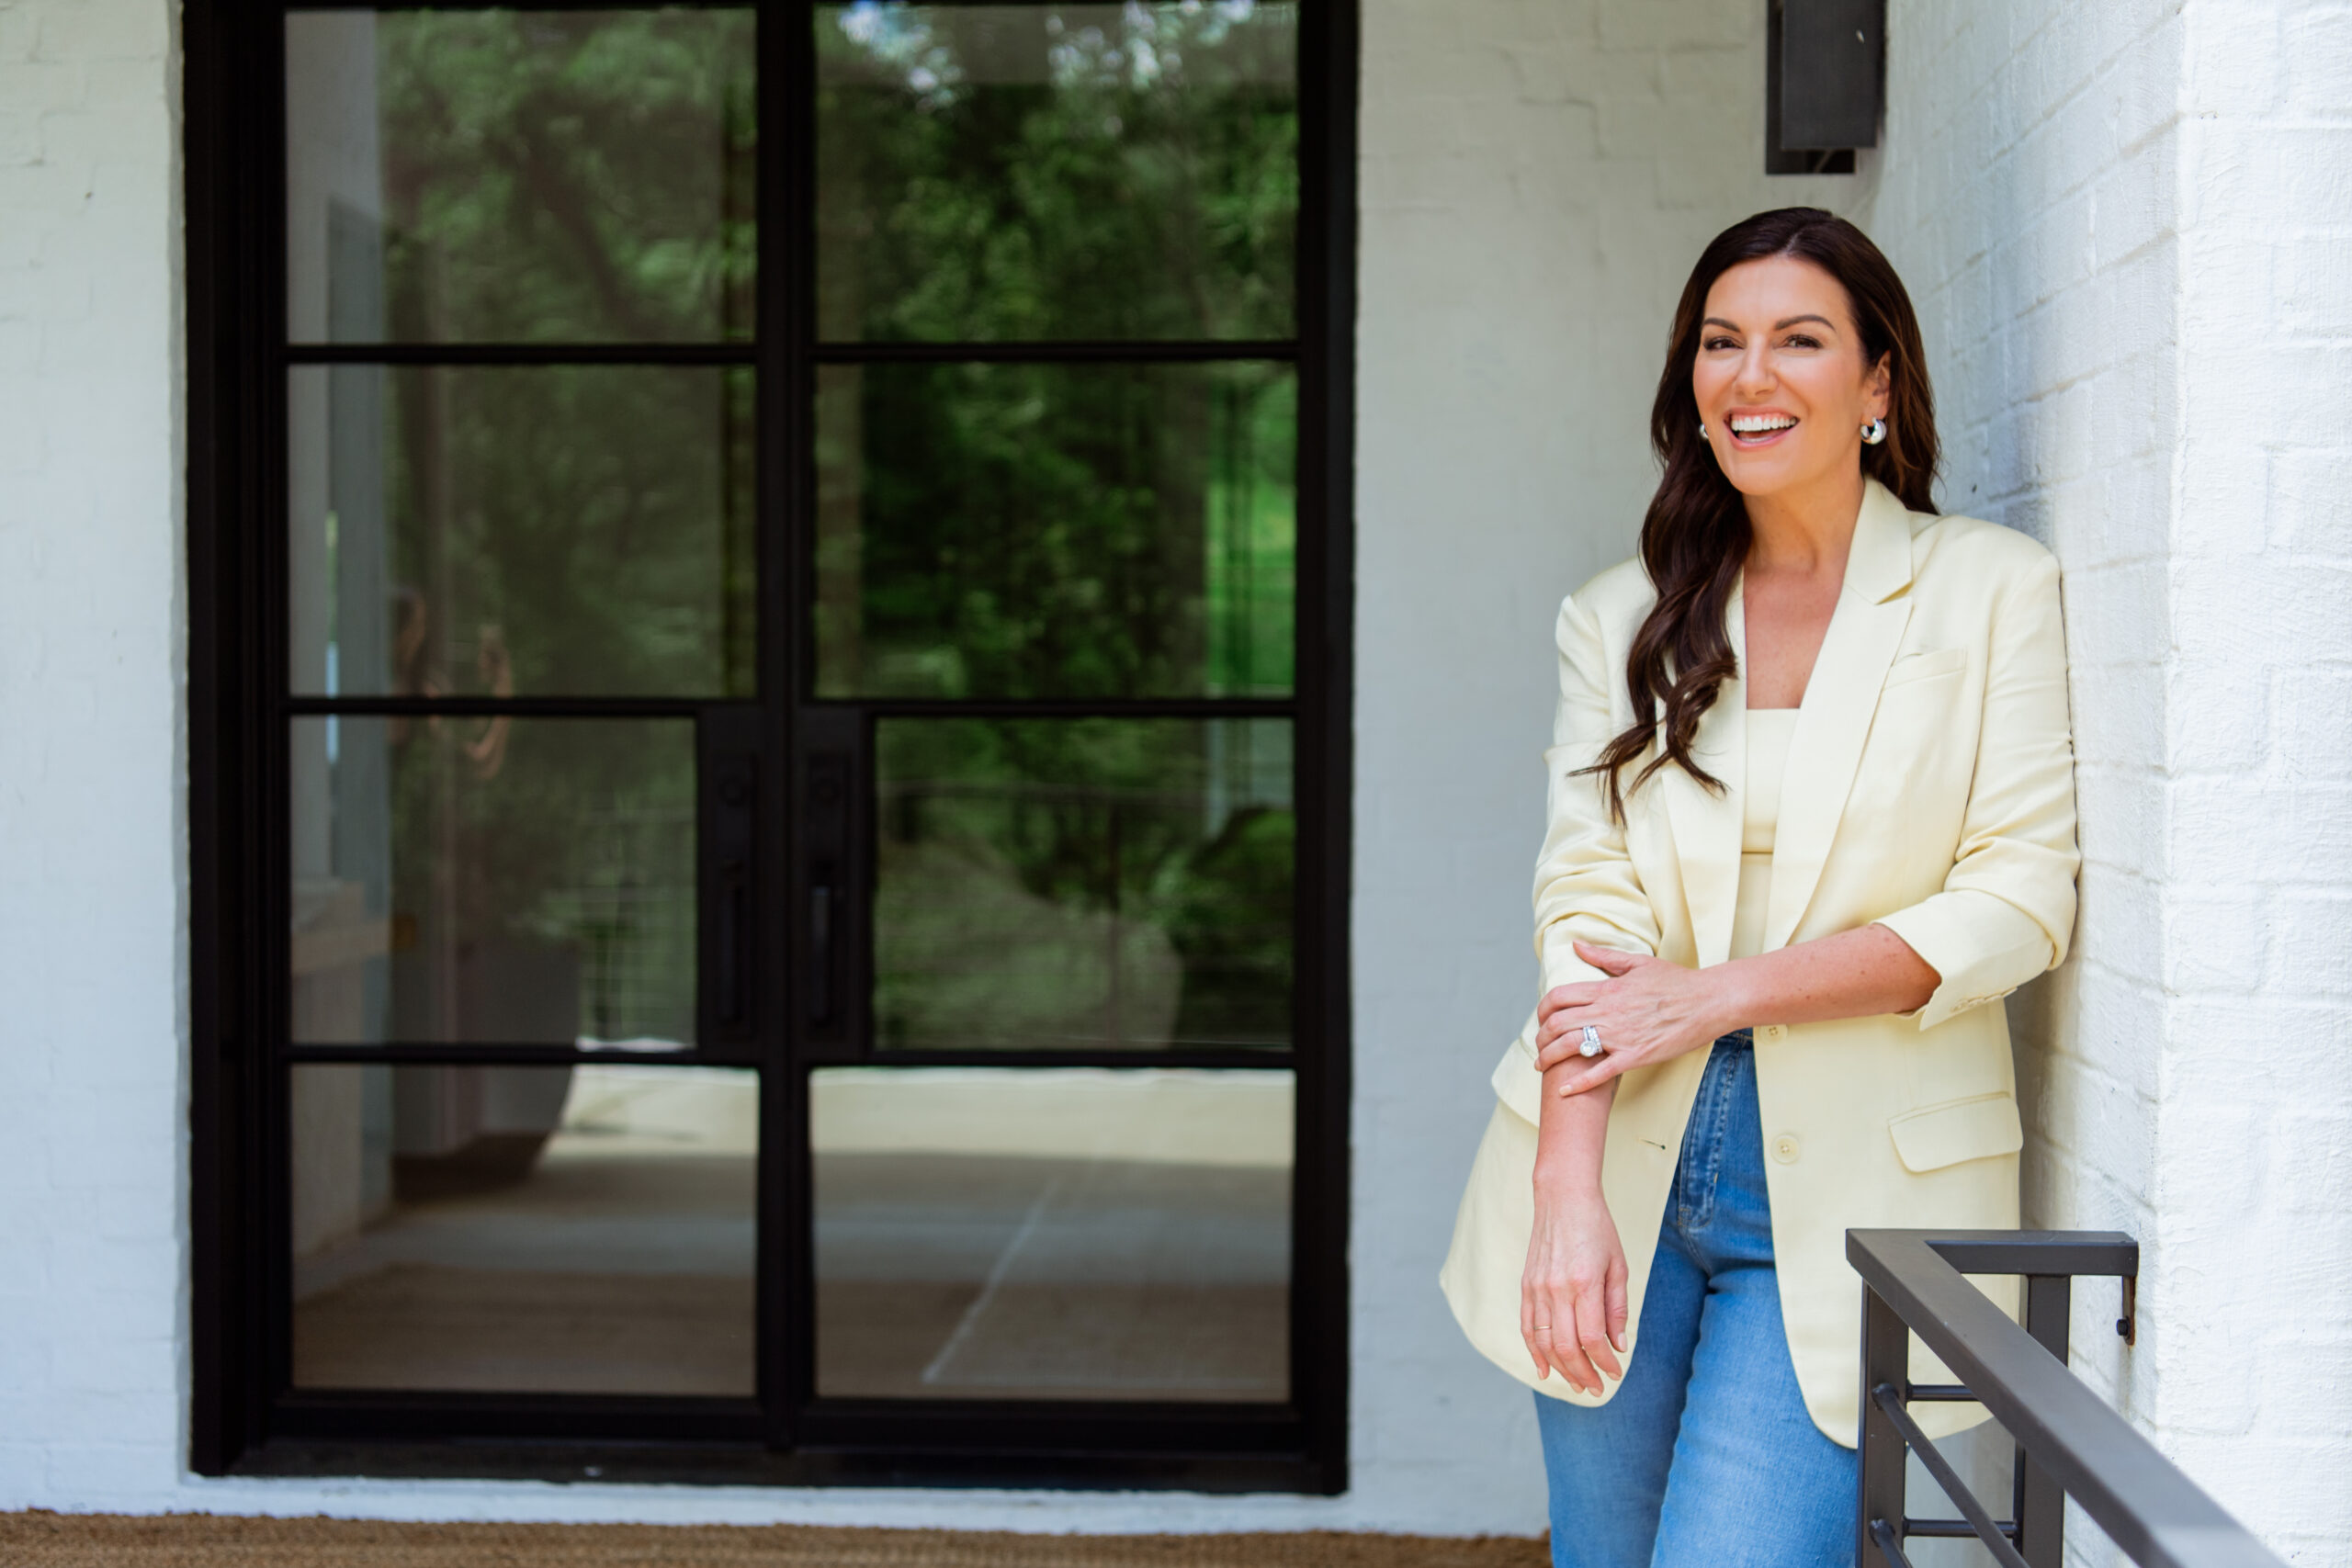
{"x": 1930, "y": 790}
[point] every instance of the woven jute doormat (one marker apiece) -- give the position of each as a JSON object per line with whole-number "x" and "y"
{"x": 39, "y": 1539}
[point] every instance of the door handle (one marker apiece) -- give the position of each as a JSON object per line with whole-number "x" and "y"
{"x": 831, "y": 912}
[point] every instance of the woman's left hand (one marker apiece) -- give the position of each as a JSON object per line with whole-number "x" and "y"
{"x": 1647, "y": 1012}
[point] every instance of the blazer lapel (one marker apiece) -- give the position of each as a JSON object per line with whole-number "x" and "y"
{"x": 1706, "y": 825}
{"x": 1840, "y": 701}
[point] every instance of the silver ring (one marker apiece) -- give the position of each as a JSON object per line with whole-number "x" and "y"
{"x": 1591, "y": 1045}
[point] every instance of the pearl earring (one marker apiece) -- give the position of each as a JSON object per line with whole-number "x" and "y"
{"x": 1874, "y": 432}
{"x": 1703, "y": 430}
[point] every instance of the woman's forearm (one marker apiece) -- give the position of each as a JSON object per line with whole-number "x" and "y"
{"x": 1572, "y": 1137}
{"x": 1856, "y": 974}
{"x": 1650, "y": 1011}
{"x": 1572, "y": 1296}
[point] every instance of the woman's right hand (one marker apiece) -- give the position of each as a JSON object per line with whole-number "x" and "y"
{"x": 1572, "y": 1296}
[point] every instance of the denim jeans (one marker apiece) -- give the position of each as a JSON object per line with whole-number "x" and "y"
{"x": 1706, "y": 1457}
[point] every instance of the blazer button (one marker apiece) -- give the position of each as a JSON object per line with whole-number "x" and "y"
{"x": 1772, "y": 1032}
{"x": 1785, "y": 1148}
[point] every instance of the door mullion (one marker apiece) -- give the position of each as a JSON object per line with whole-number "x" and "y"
{"x": 785, "y": 492}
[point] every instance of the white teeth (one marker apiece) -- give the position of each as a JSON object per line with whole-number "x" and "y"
{"x": 1757, "y": 423}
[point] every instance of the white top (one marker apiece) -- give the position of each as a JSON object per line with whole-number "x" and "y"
{"x": 1769, "y": 730}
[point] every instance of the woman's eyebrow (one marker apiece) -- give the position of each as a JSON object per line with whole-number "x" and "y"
{"x": 1792, "y": 320}
{"x": 1782, "y": 325}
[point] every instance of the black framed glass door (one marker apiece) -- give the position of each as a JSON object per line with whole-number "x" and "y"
{"x": 770, "y": 762}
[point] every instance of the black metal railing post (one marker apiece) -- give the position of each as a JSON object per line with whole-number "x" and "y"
{"x": 2039, "y": 1503}
{"x": 1886, "y": 1355}
{"x": 2070, "y": 1444}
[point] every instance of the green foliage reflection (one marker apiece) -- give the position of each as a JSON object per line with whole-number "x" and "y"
{"x": 1043, "y": 530}
{"x": 547, "y": 175}
{"x": 1092, "y": 883}
{"x": 567, "y": 530}
{"x": 1056, "y": 171}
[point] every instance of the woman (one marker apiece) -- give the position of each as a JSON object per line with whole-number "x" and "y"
{"x": 1810, "y": 810}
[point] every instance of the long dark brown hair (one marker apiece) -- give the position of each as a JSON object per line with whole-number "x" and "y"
{"x": 1696, "y": 534}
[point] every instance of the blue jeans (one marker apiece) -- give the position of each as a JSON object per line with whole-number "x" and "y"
{"x": 1706, "y": 1457}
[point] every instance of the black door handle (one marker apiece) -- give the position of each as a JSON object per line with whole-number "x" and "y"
{"x": 829, "y": 1004}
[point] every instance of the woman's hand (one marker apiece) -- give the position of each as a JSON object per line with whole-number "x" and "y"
{"x": 1572, "y": 1296}
{"x": 1648, "y": 1012}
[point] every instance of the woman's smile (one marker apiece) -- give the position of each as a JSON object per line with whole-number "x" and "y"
{"x": 1751, "y": 429}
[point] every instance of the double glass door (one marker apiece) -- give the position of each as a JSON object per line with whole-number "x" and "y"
{"x": 799, "y": 732}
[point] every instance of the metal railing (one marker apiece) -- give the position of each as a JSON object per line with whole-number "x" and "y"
{"x": 2069, "y": 1443}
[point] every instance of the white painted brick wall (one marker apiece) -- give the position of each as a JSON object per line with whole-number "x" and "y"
{"x": 2126, "y": 227}
{"x": 92, "y": 943}
{"x": 2254, "y": 1195}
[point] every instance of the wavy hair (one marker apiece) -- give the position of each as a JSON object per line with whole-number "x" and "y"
{"x": 1695, "y": 536}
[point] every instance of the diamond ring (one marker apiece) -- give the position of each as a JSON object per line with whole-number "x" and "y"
{"x": 1591, "y": 1044}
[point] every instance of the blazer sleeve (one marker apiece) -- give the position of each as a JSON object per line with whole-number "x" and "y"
{"x": 2006, "y": 909}
{"x": 1585, "y": 887}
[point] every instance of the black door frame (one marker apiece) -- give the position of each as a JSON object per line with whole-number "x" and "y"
{"x": 245, "y": 1420}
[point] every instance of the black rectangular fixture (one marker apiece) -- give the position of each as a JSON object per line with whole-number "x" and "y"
{"x": 1824, "y": 84}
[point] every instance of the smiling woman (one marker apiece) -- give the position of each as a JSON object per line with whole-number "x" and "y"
{"x": 1769, "y": 910}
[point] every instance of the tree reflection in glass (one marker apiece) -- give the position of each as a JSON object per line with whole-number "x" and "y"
{"x": 1055, "y": 530}
{"x": 523, "y": 176}
{"x": 573, "y": 530}
{"x": 1043, "y": 171}
{"x": 1101, "y": 884}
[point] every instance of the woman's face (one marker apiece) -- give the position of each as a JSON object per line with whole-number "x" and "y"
{"x": 1779, "y": 378}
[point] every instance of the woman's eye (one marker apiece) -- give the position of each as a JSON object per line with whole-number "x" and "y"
{"x": 1715, "y": 343}
{"x": 1798, "y": 340}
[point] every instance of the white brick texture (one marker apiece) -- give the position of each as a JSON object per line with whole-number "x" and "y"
{"x": 92, "y": 937}
{"x": 2125, "y": 226}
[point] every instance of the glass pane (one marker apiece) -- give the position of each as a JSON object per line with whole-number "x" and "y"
{"x": 502, "y": 881}
{"x": 1057, "y": 1234}
{"x": 1054, "y": 530}
{"x": 1083, "y": 884}
{"x": 1029, "y": 172}
{"x": 556, "y": 530}
{"x": 571, "y": 1230}
{"x": 519, "y": 177}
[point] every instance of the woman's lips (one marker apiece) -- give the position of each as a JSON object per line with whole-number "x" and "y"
{"x": 1754, "y": 438}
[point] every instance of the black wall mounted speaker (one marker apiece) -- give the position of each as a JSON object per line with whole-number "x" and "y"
{"x": 1824, "y": 84}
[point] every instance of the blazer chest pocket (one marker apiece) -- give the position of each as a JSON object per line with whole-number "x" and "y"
{"x": 1976, "y": 1128}
{"x": 1926, "y": 666}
